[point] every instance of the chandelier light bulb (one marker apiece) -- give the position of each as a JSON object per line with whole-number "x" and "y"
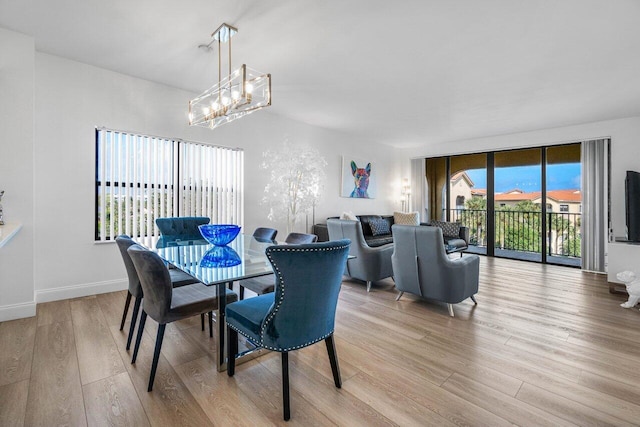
{"x": 235, "y": 95}
{"x": 248, "y": 87}
{"x": 226, "y": 101}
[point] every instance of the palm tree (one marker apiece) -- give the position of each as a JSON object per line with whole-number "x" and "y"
{"x": 474, "y": 216}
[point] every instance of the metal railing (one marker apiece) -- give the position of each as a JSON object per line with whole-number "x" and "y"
{"x": 522, "y": 230}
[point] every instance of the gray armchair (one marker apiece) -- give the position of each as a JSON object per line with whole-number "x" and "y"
{"x": 421, "y": 267}
{"x": 369, "y": 264}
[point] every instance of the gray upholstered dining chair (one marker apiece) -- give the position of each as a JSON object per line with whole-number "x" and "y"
{"x": 299, "y": 313}
{"x": 422, "y": 267}
{"x": 178, "y": 278}
{"x": 369, "y": 264}
{"x": 265, "y": 234}
{"x": 166, "y": 304}
{"x": 265, "y": 284}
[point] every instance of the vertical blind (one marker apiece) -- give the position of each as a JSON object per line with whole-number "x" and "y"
{"x": 140, "y": 178}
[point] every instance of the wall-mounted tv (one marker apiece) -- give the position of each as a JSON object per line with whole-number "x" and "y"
{"x": 632, "y": 205}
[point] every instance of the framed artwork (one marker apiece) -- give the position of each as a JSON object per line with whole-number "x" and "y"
{"x": 358, "y": 178}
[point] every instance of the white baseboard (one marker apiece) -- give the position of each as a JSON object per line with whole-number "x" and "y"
{"x": 77, "y": 291}
{"x": 17, "y": 311}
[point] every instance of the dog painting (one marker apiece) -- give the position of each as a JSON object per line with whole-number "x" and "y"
{"x": 358, "y": 181}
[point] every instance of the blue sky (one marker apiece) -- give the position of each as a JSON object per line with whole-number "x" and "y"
{"x": 527, "y": 178}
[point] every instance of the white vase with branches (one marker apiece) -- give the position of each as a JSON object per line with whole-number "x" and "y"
{"x": 296, "y": 178}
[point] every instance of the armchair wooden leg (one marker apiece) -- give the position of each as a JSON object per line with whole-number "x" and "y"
{"x": 450, "y": 309}
{"x": 399, "y": 295}
{"x": 233, "y": 350}
{"x": 368, "y": 285}
{"x": 473, "y": 298}
{"x": 134, "y": 319}
{"x": 241, "y": 292}
{"x": 126, "y": 310}
{"x": 143, "y": 319}
{"x": 156, "y": 355}
{"x": 202, "y": 321}
{"x": 285, "y": 386}
{"x": 333, "y": 359}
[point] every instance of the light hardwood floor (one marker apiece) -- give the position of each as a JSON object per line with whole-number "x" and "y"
{"x": 544, "y": 346}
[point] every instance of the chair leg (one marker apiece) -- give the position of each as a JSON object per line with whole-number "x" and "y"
{"x": 143, "y": 319}
{"x": 400, "y": 293}
{"x": 210, "y": 324}
{"x": 285, "y": 386}
{"x": 233, "y": 350}
{"x": 473, "y": 298}
{"x": 134, "y": 319}
{"x": 156, "y": 355}
{"x": 126, "y": 310}
{"x": 450, "y": 309}
{"x": 241, "y": 292}
{"x": 368, "y": 285}
{"x": 333, "y": 359}
{"x": 202, "y": 321}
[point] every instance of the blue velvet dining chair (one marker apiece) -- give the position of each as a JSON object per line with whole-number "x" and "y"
{"x": 182, "y": 227}
{"x": 299, "y": 313}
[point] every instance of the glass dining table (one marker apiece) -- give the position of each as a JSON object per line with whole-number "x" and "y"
{"x": 217, "y": 266}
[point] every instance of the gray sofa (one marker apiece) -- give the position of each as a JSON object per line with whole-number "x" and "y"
{"x": 454, "y": 242}
{"x": 421, "y": 267}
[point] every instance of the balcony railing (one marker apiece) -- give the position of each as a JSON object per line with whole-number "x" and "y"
{"x": 522, "y": 230}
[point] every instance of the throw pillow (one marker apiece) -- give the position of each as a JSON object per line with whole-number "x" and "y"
{"x": 348, "y": 215}
{"x": 379, "y": 227}
{"x": 449, "y": 229}
{"x": 406, "y": 218}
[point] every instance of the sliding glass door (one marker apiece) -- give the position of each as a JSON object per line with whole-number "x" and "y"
{"x": 518, "y": 204}
{"x": 521, "y": 204}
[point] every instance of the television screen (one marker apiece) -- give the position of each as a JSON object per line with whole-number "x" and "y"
{"x": 632, "y": 205}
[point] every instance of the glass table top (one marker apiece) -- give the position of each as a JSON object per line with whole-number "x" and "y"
{"x": 244, "y": 257}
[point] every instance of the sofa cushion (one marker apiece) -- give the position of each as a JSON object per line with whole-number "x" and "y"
{"x": 454, "y": 244}
{"x": 449, "y": 229}
{"x": 364, "y": 220}
{"x": 406, "y": 218}
{"x": 375, "y": 241}
{"x": 379, "y": 226}
{"x": 348, "y": 215}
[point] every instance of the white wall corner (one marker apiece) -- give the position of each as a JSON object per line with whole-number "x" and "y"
{"x": 17, "y": 311}
{"x": 77, "y": 291}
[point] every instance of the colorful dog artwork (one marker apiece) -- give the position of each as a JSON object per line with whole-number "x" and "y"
{"x": 361, "y": 180}
{"x": 357, "y": 179}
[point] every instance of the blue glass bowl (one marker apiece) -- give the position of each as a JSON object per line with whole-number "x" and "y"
{"x": 219, "y": 234}
{"x": 220, "y": 256}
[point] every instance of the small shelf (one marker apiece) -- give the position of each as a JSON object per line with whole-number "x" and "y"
{"x": 7, "y": 231}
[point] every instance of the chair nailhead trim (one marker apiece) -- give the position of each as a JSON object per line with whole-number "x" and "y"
{"x": 279, "y": 303}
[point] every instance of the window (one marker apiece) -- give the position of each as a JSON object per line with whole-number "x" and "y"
{"x": 140, "y": 178}
{"x": 460, "y": 202}
{"x": 564, "y": 208}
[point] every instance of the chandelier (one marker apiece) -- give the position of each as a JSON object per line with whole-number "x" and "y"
{"x": 241, "y": 92}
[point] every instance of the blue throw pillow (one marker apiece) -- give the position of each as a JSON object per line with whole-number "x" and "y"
{"x": 379, "y": 227}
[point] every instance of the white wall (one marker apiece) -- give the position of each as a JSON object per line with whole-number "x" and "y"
{"x": 16, "y": 172}
{"x": 73, "y": 98}
{"x": 625, "y": 151}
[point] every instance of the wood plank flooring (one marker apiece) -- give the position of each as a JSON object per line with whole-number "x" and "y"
{"x": 545, "y": 346}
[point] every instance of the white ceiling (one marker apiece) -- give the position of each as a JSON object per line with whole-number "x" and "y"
{"x": 402, "y": 73}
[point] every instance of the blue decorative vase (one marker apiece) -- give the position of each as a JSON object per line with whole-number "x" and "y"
{"x": 219, "y": 234}
{"x": 220, "y": 256}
